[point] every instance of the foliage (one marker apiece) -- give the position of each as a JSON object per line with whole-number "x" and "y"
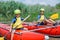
{"x": 7, "y": 10}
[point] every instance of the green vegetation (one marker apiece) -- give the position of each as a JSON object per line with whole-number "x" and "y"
{"x": 7, "y": 9}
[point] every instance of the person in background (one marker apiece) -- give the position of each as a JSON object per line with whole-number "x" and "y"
{"x": 41, "y": 17}
{"x": 42, "y": 20}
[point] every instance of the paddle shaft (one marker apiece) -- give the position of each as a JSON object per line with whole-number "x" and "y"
{"x": 22, "y": 21}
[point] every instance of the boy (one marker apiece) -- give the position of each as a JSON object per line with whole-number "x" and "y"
{"x": 41, "y": 17}
{"x": 17, "y": 20}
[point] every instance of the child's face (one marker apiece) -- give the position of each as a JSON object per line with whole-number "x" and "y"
{"x": 17, "y": 15}
{"x": 42, "y": 12}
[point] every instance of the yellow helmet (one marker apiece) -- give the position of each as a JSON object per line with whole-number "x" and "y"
{"x": 42, "y": 9}
{"x": 17, "y": 11}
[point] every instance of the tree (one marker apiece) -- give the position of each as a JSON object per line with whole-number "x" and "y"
{"x": 58, "y": 6}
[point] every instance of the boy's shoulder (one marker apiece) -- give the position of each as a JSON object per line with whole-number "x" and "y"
{"x": 15, "y": 18}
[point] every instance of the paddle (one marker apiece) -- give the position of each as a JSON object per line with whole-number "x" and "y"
{"x": 54, "y": 16}
{"x": 47, "y": 27}
{"x": 13, "y": 30}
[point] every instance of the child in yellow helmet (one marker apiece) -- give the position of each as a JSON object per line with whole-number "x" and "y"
{"x": 17, "y": 20}
{"x": 41, "y": 17}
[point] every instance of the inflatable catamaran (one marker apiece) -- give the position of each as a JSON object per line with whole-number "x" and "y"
{"x": 48, "y": 30}
{"x": 20, "y": 34}
{"x": 34, "y": 32}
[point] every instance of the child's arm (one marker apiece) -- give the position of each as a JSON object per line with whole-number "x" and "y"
{"x": 11, "y": 25}
{"x": 52, "y": 21}
{"x": 47, "y": 21}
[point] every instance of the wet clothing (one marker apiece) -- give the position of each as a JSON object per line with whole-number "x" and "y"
{"x": 14, "y": 19}
{"x": 18, "y": 28}
{"x": 40, "y": 23}
{"x": 17, "y": 23}
{"x": 41, "y": 19}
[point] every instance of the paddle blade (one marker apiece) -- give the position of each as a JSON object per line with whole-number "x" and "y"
{"x": 26, "y": 17}
{"x": 54, "y": 16}
{"x": 1, "y": 38}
